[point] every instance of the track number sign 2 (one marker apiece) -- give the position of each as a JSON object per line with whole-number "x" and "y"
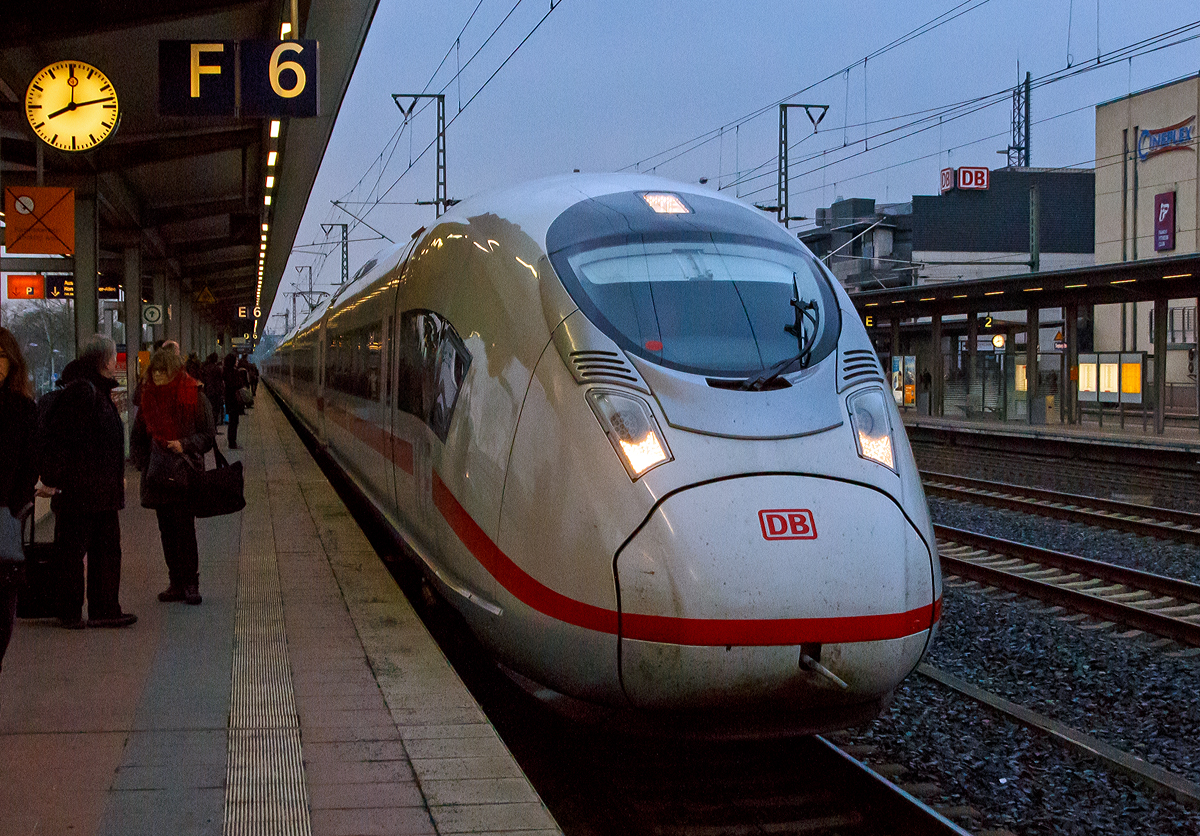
{"x": 272, "y": 78}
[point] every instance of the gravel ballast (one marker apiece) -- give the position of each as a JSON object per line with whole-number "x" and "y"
{"x": 1140, "y": 694}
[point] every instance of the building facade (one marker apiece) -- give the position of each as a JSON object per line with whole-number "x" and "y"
{"x": 964, "y": 233}
{"x": 1147, "y": 194}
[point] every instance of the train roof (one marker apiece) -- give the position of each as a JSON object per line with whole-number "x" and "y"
{"x": 534, "y": 206}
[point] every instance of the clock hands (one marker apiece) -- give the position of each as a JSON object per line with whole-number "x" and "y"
{"x": 73, "y": 105}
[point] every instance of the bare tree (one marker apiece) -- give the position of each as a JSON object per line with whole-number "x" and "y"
{"x": 45, "y": 328}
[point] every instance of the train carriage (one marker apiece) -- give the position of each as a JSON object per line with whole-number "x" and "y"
{"x": 639, "y": 439}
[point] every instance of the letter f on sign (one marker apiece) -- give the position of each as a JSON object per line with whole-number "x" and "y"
{"x": 198, "y": 69}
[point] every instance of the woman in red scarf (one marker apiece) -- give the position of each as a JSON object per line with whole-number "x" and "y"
{"x": 173, "y": 414}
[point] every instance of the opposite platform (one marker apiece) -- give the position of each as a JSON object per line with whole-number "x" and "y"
{"x": 303, "y": 696}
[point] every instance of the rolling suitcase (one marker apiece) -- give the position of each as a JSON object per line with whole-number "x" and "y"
{"x": 37, "y": 596}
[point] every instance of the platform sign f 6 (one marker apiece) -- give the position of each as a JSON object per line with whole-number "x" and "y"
{"x": 207, "y": 78}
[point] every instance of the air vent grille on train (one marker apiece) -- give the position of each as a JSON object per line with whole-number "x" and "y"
{"x": 594, "y": 366}
{"x": 856, "y": 365}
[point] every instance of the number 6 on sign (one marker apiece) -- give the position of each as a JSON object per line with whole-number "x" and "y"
{"x": 279, "y": 78}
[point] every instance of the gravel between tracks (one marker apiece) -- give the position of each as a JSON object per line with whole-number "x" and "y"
{"x": 1139, "y": 694}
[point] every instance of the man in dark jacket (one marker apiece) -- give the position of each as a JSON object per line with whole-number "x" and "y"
{"x": 213, "y": 378}
{"x": 81, "y": 441}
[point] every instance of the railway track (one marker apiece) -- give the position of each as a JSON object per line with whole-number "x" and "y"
{"x": 1156, "y": 778}
{"x": 1163, "y": 486}
{"x": 682, "y": 788}
{"x": 1143, "y": 520}
{"x": 1152, "y": 603}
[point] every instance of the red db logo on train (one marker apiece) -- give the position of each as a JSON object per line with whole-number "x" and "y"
{"x": 787, "y": 524}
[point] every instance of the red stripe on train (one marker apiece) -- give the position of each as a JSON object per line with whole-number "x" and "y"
{"x": 688, "y": 631}
{"x": 393, "y": 448}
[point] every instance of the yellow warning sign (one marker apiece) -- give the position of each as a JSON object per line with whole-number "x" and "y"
{"x": 40, "y": 220}
{"x": 205, "y": 297}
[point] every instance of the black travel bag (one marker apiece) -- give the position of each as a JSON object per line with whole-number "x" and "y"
{"x": 38, "y": 594}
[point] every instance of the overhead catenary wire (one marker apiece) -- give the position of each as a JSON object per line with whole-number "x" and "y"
{"x": 702, "y": 139}
{"x": 968, "y": 107}
{"x": 371, "y": 203}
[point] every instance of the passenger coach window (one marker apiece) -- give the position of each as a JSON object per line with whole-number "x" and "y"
{"x": 433, "y": 363}
{"x": 354, "y": 363}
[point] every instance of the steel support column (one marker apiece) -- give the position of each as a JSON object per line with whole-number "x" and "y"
{"x": 1160, "y": 365}
{"x": 1036, "y": 414}
{"x": 972, "y": 357}
{"x": 133, "y": 313}
{"x": 87, "y": 265}
{"x": 937, "y": 371}
{"x": 1070, "y": 385}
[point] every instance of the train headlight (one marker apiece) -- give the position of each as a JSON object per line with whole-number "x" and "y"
{"x": 872, "y": 429}
{"x": 631, "y": 429}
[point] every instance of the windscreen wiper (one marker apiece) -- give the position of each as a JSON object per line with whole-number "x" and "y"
{"x": 806, "y": 311}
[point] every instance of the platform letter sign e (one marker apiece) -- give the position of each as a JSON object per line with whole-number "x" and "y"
{"x": 787, "y": 524}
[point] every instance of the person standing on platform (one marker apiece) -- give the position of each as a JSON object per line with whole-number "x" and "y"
{"x": 18, "y": 469}
{"x": 213, "y": 379}
{"x": 235, "y": 380}
{"x": 81, "y": 454}
{"x": 175, "y": 414}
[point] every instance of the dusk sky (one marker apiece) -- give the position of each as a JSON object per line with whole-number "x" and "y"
{"x": 615, "y": 85}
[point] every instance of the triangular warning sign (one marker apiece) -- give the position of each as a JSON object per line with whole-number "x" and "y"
{"x": 206, "y": 297}
{"x": 1058, "y": 337}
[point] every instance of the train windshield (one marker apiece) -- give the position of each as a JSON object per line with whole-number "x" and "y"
{"x": 712, "y": 306}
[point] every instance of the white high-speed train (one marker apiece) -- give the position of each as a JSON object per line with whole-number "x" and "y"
{"x": 640, "y": 440}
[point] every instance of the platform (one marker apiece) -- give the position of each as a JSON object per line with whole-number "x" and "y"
{"x": 1178, "y": 448}
{"x": 303, "y": 696}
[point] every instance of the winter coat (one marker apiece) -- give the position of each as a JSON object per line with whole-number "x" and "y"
{"x": 213, "y": 378}
{"x": 18, "y": 467}
{"x": 235, "y": 379}
{"x": 81, "y": 442}
{"x": 195, "y": 445}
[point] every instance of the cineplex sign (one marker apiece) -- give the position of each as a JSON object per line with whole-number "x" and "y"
{"x": 1177, "y": 137}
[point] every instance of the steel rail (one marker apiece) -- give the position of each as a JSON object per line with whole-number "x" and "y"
{"x": 1130, "y": 580}
{"x": 1160, "y": 780}
{"x": 886, "y": 802}
{"x": 1144, "y": 520}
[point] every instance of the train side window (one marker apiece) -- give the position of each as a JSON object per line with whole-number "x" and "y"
{"x": 432, "y": 365}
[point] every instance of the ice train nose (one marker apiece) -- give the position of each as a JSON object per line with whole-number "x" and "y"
{"x": 724, "y": 584}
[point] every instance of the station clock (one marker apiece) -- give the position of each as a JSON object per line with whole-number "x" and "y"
{"x": 72, "y": 106}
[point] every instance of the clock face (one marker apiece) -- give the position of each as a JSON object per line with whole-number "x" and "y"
{"x": 72, "y": 106}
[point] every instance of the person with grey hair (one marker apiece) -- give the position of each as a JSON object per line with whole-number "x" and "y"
{"x": 81, "y": 453}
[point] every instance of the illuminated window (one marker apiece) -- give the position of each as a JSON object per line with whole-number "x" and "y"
{"x": 1022, "y": 383}
{"x": 1131, "y": 378}
{"x": 1087, "y": 378}
{"x": 1108, "y": 377}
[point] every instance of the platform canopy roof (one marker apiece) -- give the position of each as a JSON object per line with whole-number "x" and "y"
{"x": 188, "y": 190}
{"x": 1174, "y": 277}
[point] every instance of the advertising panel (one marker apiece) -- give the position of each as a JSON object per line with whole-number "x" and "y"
{"x": 1164, "y": 221}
